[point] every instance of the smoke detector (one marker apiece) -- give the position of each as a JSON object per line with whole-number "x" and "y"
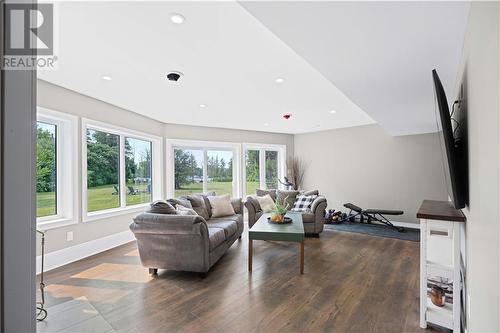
{"x": 174, "y": 76}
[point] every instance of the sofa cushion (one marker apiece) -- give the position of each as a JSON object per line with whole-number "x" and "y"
{"x": 311, "y": 192}
{"x": 161, "y": 207}
{"x": 230, "y": 226}
{"x": 261, "y": 193}
{"x": 221, "y": 205}
{"x": 198, "y": 203}
{"x": 180, "y": 201}
{"x": 216, "y": 236}
{"x": 308, "y": 217}
{"x": 207, "y": 203}
{"x": 287, "y": 196}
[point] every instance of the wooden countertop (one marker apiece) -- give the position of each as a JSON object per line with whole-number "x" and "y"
{"x": 440, "y": 210}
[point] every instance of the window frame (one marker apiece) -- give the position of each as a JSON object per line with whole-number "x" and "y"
{"x": 262, "y": 148}
{"x": 203, "y": 146}
{"x": 156, "y": 167}
{"x": 66, "y": 168}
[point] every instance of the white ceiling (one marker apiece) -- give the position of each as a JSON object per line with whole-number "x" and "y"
{"x": 380, "y": 54}
{"x": 229, "y": 59}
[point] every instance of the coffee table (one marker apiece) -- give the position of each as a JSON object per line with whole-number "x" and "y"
{"x": 291, "y": 232}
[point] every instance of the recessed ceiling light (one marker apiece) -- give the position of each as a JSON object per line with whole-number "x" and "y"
{"x": 106, "y": 78}
{"x": 266, "y": 124}
{"x": 279, "y": 80}
{"x": 177, "y": 18}
{"x": 332, "y": 111}
{"x": 203, "y": 106}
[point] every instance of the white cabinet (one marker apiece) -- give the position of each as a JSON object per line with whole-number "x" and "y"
{"x": 440, "y": 264}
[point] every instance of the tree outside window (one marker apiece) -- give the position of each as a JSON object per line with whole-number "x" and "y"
{"x": 46, "y": 169}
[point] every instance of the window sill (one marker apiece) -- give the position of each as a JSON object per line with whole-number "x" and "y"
{"x": 99, "y": 215}
{"x": 56, "y": 222}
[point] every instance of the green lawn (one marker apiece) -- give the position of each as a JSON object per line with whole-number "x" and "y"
{"x": 102, "y": 197}
{"x": 98, "y": 198}
{"x": 45, "y": 204}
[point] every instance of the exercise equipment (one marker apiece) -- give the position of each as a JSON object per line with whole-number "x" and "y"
{"x": 371, "y": 215}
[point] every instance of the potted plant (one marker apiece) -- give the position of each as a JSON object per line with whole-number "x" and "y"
{"x": 278, "y": 213}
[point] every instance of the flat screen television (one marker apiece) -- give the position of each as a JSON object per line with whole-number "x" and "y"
{"x": 452, "y": 129}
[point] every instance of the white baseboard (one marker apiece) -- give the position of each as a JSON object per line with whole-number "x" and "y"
{"x": 406, "y": 224}
{"x": 74, "y": 253}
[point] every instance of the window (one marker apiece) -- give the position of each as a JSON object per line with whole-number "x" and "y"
{"x": 199, "y": 167}
{"x": 46, "y": 169}
{"x": 252, "y": 171}
{"x": 264, "y": 167}
{"x": 103, "y": 170}
{"x": 119, "y": 170}
{"x": 138, "y": 171}
{"x": 188, "y": 166}
{"x": 56, "y": 169}
{"x": 272, "y": 169}
{"x": 220, "y": 172}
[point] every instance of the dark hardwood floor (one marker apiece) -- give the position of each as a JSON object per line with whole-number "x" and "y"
{"x": 352, "y": 283}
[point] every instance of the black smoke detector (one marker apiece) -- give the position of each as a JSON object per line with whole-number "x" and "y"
{"x": 174, "y": 76}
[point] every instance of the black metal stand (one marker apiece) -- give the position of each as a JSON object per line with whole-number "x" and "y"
{"x": 41, "y": 312}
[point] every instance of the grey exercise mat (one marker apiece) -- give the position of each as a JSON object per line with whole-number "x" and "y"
{"x": 376, "y": 230}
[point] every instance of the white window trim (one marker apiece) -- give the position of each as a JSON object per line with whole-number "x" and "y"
{"x": 281, "y": 149}
{"x": 171, "y": 144}
{"x": 66, "y": 166}
{"x": 156, "y": 168}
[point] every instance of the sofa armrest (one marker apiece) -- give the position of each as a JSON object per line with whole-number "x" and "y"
{"x": 237, "y": 205}
{"x": 254, "y": 210}
{"x": 169, "y": 224}
{"x": 319, "y": 201}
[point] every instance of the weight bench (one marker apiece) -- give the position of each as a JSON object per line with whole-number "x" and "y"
{"x": 372, "y": 215}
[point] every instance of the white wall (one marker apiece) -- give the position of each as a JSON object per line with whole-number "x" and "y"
{"x": 60, "y": 99}
{"x": 480, "y": 72}
{"x": 368, "y": 167}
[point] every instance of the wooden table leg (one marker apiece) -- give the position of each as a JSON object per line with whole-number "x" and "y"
{"x": 301, "y": 257}
{"x": 249, "y": 255}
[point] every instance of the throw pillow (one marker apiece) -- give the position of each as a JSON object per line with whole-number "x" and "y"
{"x": 303, "y": 203}
{"x": 161, "y": 207}
{"x": 262, "y": 193}
{"x": 181, "y": 201}
{"x": 221, "y": 205}
{"x": 288, "y": 197}
{"x": 181, "y": 210}
{"x": 266, "y": 203}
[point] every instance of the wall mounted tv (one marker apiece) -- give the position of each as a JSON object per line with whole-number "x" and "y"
{"x": 452, "y": 129}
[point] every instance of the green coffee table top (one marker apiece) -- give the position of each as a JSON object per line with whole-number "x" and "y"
{"x": 291, "y": 232}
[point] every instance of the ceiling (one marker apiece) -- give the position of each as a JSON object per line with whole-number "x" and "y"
{"x": 230, "y": 62}
{"x": 367, "y": 61}
{"x": 380, "y": 54}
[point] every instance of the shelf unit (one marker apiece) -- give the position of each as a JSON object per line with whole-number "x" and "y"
{"x": 440, "y": 257}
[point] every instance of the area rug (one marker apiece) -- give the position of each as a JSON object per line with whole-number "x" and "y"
{"x": 376, "y": 230}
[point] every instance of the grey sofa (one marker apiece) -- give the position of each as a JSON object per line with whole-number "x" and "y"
{"x": 313, "y": 220}
{"x": 185, "y": 242}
